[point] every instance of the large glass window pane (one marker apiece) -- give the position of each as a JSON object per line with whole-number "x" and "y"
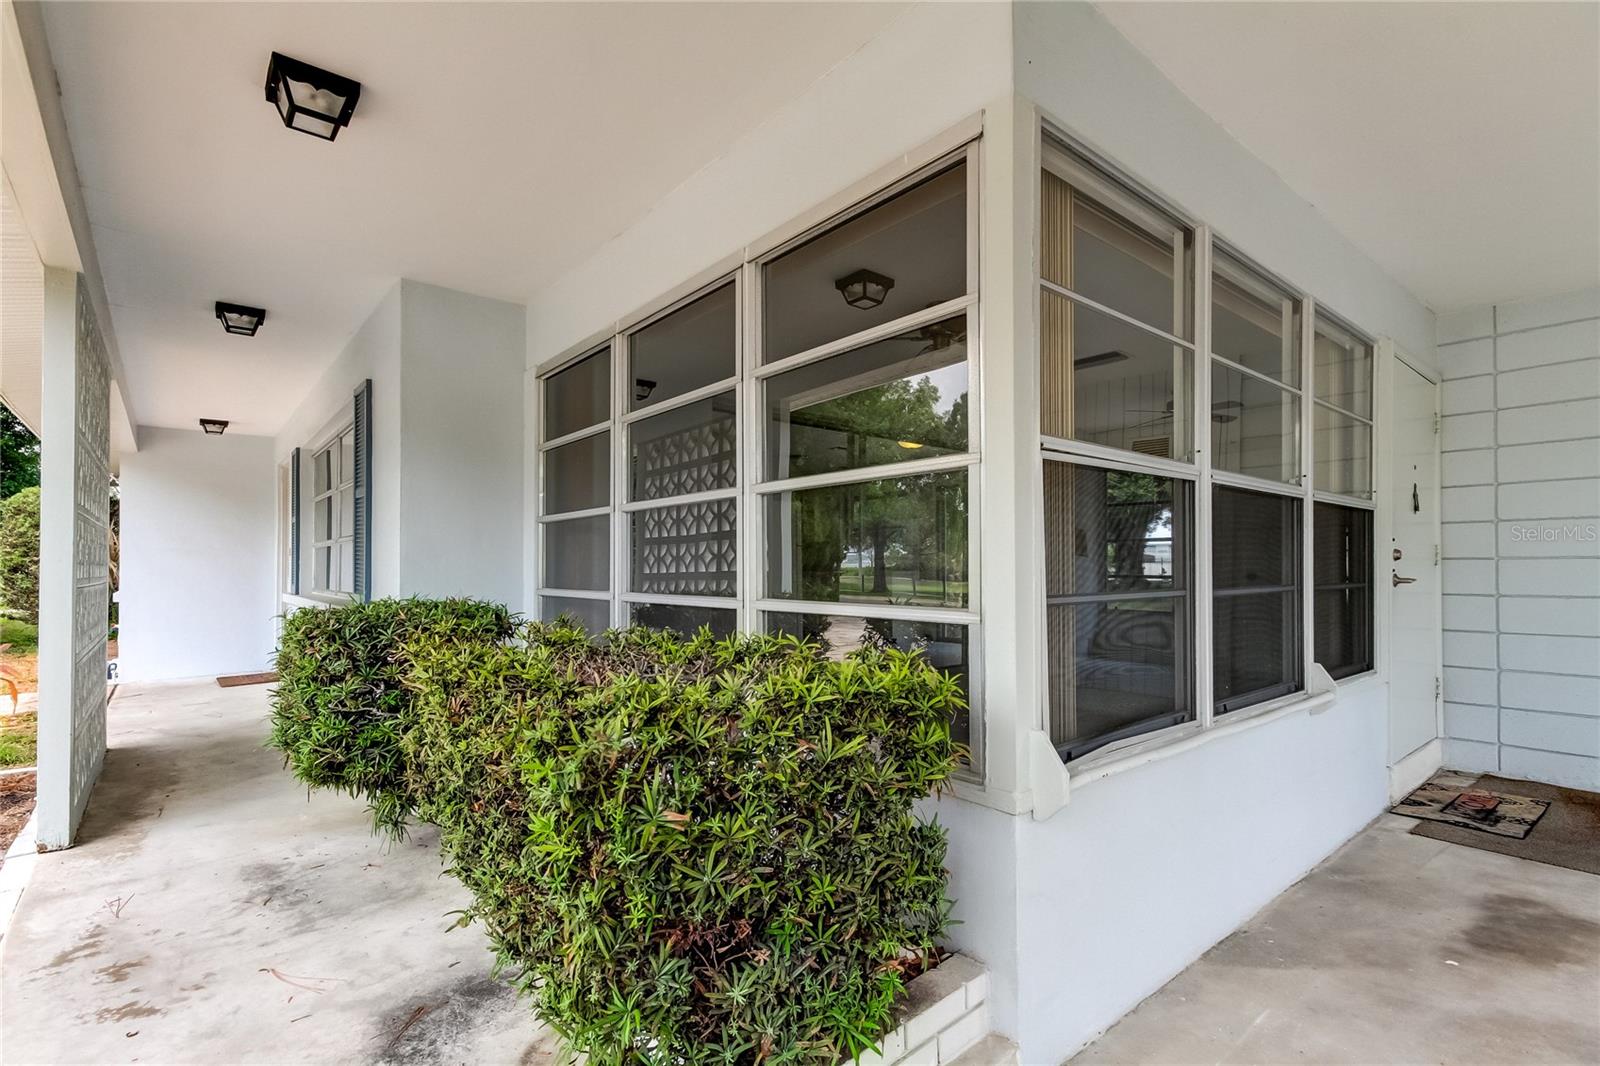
{"x": 1256, "y": 584}
{"x": 1117, "y": 595}
{"x": 942, "y": 644}
{"x": 322, "y": 568}
{"x": 577, "y": 553}
{"x": 687, "y": 350}
{"x": 322, "y": 523}
{"x": 898, "y": 540}
{"x": 577, "y": 476}
{"x": 1255, "y": 426}
{"x": 592, "y": 615}
{"x": 1342, "y": 366}
{"x": 683, "y": 619}
{"x": 1107, "y": 382}
{"x": 1342, "y": 574}
{"x": 692, "y": 448}
{"x": 687, "y": 549}
{"x": 917, "y": 241}
{"x": 347, "y": 458}
{"x": 347, "y": 566}
{"x": 1342, "y": 453}
{"x": 347, "y": 512}
{"x": 900, "y": 399}
{"x": 1138, "y": 267}
{"x": 579, "y": 396}
{"x": 322, "y": 471}
{"x": 1254, "y": 323}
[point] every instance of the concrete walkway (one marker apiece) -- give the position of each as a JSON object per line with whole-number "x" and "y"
{"x": 1398, "y": 949}
{"x": 212, "y": 913}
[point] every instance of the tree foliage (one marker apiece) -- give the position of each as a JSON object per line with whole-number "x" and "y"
{"x": 19, "y": 455}
{"x": 19, "y": 555}
{"x": 685, "y": 850}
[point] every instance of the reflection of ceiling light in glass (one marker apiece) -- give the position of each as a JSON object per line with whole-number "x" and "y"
{"x": 865, "y": 289}
{"x": 1099, "y": 360}
{"x": 642, "y": 388}
{"x": 909, "y": 445}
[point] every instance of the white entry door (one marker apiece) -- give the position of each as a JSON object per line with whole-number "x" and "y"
{"x": 1409, "y": 566}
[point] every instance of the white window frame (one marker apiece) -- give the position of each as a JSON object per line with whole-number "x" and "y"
{"x": 745, "y": 272}
{"x": 1081, "y": 167}
{"x": 340, "y": 483}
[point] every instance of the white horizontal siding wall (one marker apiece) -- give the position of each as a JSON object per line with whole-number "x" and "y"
{"x": 1521, "y": 439}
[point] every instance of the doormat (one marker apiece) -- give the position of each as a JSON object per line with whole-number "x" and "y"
{"x": 1568, "y": 835}
{"x": 1474, "y": 808}
{"x": 235, "y": 680}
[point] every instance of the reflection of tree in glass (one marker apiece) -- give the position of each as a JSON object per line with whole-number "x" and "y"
{"x": 899, "y": 537}
{"x": 888, "y": 423}
{"x": 1139, "y": 511}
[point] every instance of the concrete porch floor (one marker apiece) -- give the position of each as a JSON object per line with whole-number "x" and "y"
{"x": 1397, "y": 949}
{"x": 211, "y": 913}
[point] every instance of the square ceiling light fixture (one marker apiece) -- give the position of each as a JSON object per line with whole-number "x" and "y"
{"x": 310, "y": 99}
{"x": 237, "y": 318}
{"x": 865, "y": 289}
{"x": 214, "y": 426}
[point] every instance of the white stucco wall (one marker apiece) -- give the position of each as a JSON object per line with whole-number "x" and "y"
{"x": 199, "y": 535}
{"x": 374, "y": 352}
{"x": 460, "y": 444}
{"x": 1521, "y": 507}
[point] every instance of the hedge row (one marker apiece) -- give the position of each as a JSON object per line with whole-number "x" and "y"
{"x": 684, "y": 850}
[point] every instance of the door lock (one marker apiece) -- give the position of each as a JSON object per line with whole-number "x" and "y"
{"x": 1398, "y": 554}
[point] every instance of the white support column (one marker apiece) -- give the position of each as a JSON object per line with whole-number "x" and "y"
{"x": 74, "y": 580}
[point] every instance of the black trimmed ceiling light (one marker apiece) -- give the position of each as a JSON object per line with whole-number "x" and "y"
{"x": 237, "y": 318}
{"x": 214, "y": 426}
{"x": 865, "y": 289}
{"x": 310, "y": 99}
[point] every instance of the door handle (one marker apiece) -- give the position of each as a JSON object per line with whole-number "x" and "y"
{"x": 1398, "y": 580}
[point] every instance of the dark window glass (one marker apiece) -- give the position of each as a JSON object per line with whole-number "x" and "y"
{"x": 900, "y": 399}
{"x": 686, "y": 549}
{"x": 687, "y": 350}
{"x": 943, "y": 645}
{"x": 577, "y": 553}
{"x": 917, "y": 239}
{"x": 592, "y": 615}
{"x": 579, "y": 396}
{"x": 1255, "y": 426}
{"x": 1256, "y": 583}
{"x": 1254, "y": 323}
{"x": 1117, "y": 548}
{"x": 692, "y": 448}
{"x": 1343, "y": 453}
{"x": 1341, "y": 566}
{"x": 898, "y": 540}
{"x": 685, "y": 620}
{"x": 577, "y": 476}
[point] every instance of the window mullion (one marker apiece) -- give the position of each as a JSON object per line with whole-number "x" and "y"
{"x": 1201, "y": 608}
{"x": 1308, "y": 326}
{"x": 751, "y": 437}
{"x": 621, "y": 393}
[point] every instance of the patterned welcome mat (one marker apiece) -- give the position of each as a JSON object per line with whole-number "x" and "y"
{"x": 1474, "y": 808}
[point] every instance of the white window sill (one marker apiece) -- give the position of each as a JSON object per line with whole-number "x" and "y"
{"x": 1190, "y": 735}
{"x": 290, "y": 600}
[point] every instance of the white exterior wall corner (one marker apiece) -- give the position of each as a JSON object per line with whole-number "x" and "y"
{"x": 460, "y": 482}
{"x": 1522, "y": 552}
{"x": 199, "y": 539}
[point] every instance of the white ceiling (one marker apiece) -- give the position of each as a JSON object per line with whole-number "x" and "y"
{"x": 494, "y": 146}
{"x": 1458, "y": 144}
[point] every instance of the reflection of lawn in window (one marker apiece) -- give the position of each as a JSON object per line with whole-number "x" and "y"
{"x": 855, "y": 583}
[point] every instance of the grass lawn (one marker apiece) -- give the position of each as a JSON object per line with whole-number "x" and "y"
{"x": 20, "y": 661}
{"x": 18, "y": 740}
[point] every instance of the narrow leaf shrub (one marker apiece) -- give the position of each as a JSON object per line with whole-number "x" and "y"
{"x": 342, "y": 701}
{"x": 691, "y": 850}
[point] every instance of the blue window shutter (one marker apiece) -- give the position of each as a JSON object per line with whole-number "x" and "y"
{"x": 294, "y": 523}
{"x": 363, "y": 487}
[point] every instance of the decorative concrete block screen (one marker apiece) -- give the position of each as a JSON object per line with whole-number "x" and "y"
{"x": 1521, "y": 460}
{"x": 75, "y": 558}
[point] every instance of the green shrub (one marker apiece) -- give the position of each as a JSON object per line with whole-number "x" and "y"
{"x": 690, "y": 850}
{"x": 342, "y": 701}
{"x": 19, "y": 555}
